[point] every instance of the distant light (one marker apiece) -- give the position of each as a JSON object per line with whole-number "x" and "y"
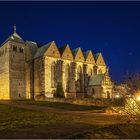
{"x": 138, "y": 98}
{"x": 117, "y": 96}
{"x": 132, "y": 101}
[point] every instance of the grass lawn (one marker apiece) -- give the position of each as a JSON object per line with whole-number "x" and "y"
{"x": 65, "y": 106}
{"x": 25, "y": 123}
{"x": 22, "y": 123}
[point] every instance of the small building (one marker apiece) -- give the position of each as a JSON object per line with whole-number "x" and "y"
{"x": 100, "y": 86}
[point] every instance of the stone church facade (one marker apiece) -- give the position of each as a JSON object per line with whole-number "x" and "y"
{"x": 28, "y": 70}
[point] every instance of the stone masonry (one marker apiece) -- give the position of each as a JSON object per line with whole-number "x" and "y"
{"x": 29, "y": 70}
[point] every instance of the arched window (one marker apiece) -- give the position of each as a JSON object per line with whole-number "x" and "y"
{"x": 108, "y": 95}
{"x": 21, "y": 50}
{"x": 95, "y": 69}
{"x": 67, "y": 76}
{"x": 93, "y": 91}
{"x": 14, "y": 48}
{"x": 5, "y": 50}
{"x": 78, "y": 82}
{"x": 90, "y": 72}
{"x": 2, "y": 52}
{"x": 53, "y": 74}
{"x": 79, "y": 72}
{"x": 99, "y": 71}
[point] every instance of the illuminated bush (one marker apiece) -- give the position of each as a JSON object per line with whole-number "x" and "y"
{"x": 132, "y": 109}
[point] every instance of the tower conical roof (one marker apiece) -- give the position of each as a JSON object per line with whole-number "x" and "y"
{"x": 14, "y": 37}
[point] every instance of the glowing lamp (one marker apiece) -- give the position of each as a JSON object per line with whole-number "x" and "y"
{"x": 117, "y": 96}
{"x": 129, "y": 95}
{"x": 138, "y": 98}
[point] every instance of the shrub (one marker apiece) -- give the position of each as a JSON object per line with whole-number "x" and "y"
{"x": 40, "y": 96}
{"x": 119, "y": 102}
{"x": 59, "y": 90}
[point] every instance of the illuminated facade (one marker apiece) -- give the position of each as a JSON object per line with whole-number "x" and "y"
{"x": 28, "y": 70}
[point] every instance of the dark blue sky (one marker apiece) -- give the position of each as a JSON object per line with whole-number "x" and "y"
{"x": 112, "y": 28}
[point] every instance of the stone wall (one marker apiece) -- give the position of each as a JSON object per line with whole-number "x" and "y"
{"x": 29, "y": 71}
{"x": 66, "y": 70}
{"x": 70, "y": 82}
{"x": 94, "y": 91}
{"x": 108, "y": 91}
{"x": 37, "y": 77}
{"x": 43, "y": 80}
{"x": 101, "y": 69}
{"x": 17, "y": 71}
{"x": 49, "y": 88}
{"x": 84, "y": 101}
{"x": 28, "y": 80}
{"x": 72, "y": 88}
{"x": 4, "y": 72}
{"x": 22, "y": 76}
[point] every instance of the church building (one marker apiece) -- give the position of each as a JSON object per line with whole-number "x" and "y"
{"x": 29, "y": 70}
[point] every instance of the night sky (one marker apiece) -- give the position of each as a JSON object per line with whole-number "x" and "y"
{"x": 112, "y": 28}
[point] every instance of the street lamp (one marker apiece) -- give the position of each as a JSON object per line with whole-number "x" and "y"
{"x": 138, "y": 98}
{"x": 117, "y": 96}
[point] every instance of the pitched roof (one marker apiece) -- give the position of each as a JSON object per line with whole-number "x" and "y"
{"x": 96, "y": 56}
{"x": 96, "y": 80}
{"x": 14, "y": 37}
{"x": 62, "y": 49}
{"x": 32, "y": 46}
{"x": 42, "y": 50}
{"x": 86, "y": 54}
{"x": 74, "y": 51}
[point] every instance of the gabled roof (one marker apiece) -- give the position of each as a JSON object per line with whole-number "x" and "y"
{"x": 96, "y": 56}
{"x": 32, "y": 46}
{"x": 62, "y": 49}
{"x": 14, "y": 37}
{"x": 74, "y": 51}
{"x": 78, "y": 55}
{"x": 99, "y": 59}
{"x": 66, "y": 52}
{"x": 96, "y": 80}
{"x": 89, "y": 58}
{"x": 42, "y": 50}
{"x": 86, "y": 54}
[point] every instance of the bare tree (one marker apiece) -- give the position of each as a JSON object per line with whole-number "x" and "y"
{"x": 133, "y": 82}
{"x": 122, "y": 89}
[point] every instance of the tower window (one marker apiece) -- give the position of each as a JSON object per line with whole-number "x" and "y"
{"x": 21, "y": 50}
{"x": 90, "y": 72}
{"x": 14, "y": 48}
{"x": 93, "y": 91}
{"x": 5, "y": 50}
{"x": 2, "y": 52}
{"x": 53, "y": 75}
